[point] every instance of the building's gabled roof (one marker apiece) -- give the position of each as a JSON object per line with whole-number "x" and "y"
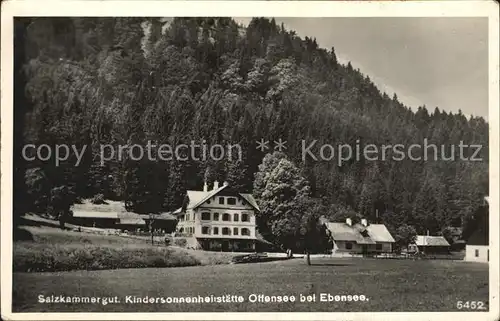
{"x": 164, "y": 216}
{"x": 363, "y": 235}
{"x": 94, "y": 214}
{"x": 132, "y": 221}
{"x": 108, "y": 206}
{"x": 111, "y": 210}
{"x": 249, "y": 198}
{"x": 198, "y": 198}
{"x": 343, "y": 232}
{"x": 380, "y": 233}
{"x": 427, "y": 240}
{"x": 375, "y": 233}
{"x": 479, "y": 237}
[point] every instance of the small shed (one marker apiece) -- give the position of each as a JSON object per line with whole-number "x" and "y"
{"x": 112, "y": 214}
{"x": 430, "y": 245}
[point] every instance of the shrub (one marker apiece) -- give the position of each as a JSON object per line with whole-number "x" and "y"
{"x": 180, "y": 242}
{"x": 33, "y": 257}
{"x": 98, "y": 199}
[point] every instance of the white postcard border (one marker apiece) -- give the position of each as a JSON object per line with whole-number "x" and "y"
{"x": 12, "y": 9}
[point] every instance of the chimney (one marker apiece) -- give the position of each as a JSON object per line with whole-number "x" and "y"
{"x": 428, "y": 233}
{"x": 216, "y": 185}
{"x": 348, "y": 221}
{"x": 364, "y": 222}
{"x": 205, "y": 187}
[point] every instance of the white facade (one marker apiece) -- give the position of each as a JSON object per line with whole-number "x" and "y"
{"x": 219, "y": 219}
{"x": 209, "y": 220}
{"x": 477, "y": 253}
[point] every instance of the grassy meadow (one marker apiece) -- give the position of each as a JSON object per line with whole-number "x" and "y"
{"x": 41, "y": 246}
{"x": 63, "y": 262}
{"x": 389, "y": 285}
{"x": 53, "y": 250}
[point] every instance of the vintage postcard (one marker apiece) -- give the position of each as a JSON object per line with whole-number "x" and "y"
{"x": 250, "y": 160}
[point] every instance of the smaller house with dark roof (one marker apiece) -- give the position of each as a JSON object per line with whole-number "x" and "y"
{"x": 360, "y": 238}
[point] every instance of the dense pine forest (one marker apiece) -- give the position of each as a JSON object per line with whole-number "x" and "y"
{"x": 94, "y": 81}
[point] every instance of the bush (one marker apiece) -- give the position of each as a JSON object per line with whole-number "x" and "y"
{"x": 98, "y": 199}
{"x": 212, "y": 258}
{"x": 33, "y": 257}
{"x": 180, "y": 242}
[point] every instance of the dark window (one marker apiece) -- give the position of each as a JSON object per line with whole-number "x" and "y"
{"x": 245, "y": 231}
{"x": 226, "y": 217}
{"x": 221, "y": 200}
{"x": 205, "y": 216}
{"x": 245, "y": 218}
{"x": 348, "y": 246}
{"x": 231, "y": 201}
{"x": 205, "y": 230}
{"x": 235, "y": 231}
{"x": 226, "y": 231}
{"x": 378, "y": 247}
{"x": 477, "y": 253}
{"x": 216, "y": 216}
{"x": 236, "y": 218}
{"x": 216, "y": 230}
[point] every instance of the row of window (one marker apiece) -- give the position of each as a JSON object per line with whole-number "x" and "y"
{"x": 206, "y": 216}
{"x": 224, "y": 231}
{"x": 223, "y": 200}
{"x": 348, "y": 246}
{"x": 188, "y": 230}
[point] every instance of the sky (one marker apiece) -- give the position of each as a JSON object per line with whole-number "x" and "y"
{"x": 436, "y": 62}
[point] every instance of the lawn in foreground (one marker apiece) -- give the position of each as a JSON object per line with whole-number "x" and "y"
{"x": 390, "y": 285}
{"x": 46, "y": 248}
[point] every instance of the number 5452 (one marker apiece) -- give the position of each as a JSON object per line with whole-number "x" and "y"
{"x": 471, "y": 305}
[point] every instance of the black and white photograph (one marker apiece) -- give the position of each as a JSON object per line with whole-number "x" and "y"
{"x": 198, "y": 161}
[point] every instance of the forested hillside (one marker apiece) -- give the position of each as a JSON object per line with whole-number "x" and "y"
{"x": 93, "y": 81}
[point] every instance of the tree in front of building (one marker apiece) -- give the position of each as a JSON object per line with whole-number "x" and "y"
{"x": 405, "y": 235}
{"x": 288, "y": 216}
{"x": 37, "y": 190}
{"x": 61, "y": 199}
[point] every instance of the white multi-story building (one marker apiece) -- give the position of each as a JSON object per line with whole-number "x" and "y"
{"x": 220, "y": 219}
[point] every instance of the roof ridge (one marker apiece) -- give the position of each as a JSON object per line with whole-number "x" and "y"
{"x": 210, "y": 194}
